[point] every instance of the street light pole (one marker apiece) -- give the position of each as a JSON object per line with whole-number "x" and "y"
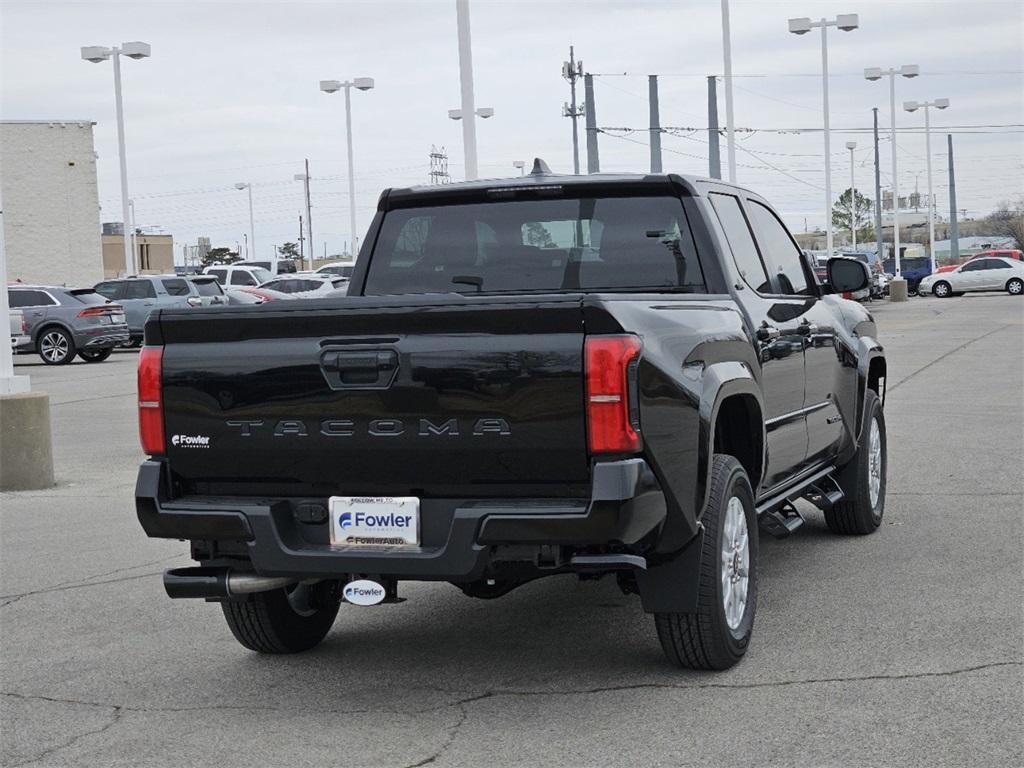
{"x": 96, "y": 54}
{"x": 466, "y": 87}
{"x": 874, "y": 73}
{"x": 247, "y": 185}
{"x": 333, "y": 86}
{"x": 847, "y": 22}
{"x": 852, "y": 145}
{"x": 913, "y": 106}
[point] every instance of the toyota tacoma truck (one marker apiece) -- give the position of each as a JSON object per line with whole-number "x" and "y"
{"x": 626, "y": 376}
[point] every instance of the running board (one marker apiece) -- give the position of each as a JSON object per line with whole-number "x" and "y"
{"x": 779, "y": 499}
{"x": 780, "y": 522}
{"x": 825, "y": 494}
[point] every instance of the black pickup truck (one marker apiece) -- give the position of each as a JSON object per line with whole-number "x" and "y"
{"x": 603, "y": 375}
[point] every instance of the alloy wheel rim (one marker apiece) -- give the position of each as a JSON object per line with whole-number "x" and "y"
{"x": 1016, "y": 286}
{"x": 54, "y": 346}
{"x": 735, "y": 562}
{"x": 874, "y": 463}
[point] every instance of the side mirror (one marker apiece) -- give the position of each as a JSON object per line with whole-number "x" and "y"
{"x": 847, "y": 275}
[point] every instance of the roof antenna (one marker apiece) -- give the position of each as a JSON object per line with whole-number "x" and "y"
{"x": 540, "y": 168}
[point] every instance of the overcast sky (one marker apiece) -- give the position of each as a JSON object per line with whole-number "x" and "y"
{"x": 230, "y": 94}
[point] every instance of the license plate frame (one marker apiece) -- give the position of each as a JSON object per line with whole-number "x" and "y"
{"x": 375, "y": 522}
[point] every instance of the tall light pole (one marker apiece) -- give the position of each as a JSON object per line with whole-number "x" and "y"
{"x": 875, "y": 73}
{"x": 913, "y": 106}
{"x": 96, "y": 54}
{"x": 852, "y": 145}
{"x": 468, "y": 110}
{"x": 252, "y": 226}
{"x": 304, "y": 178}
{"x": 847, "y": 22}
{"x": 333, "y": 86}
{"x": 730, "y": 125}
{"x": 521, "y": 165}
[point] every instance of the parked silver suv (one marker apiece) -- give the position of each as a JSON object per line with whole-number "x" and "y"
{"x": 62, "y": 322}
{"x": 141, "y": 295}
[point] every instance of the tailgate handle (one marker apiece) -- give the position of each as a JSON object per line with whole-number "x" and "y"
{"x": 359, "y": 369}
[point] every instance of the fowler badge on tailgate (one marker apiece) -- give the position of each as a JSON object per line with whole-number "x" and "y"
{"x": 361, "y": 521}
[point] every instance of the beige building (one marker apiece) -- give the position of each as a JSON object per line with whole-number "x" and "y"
{"x": 154, "y": 255}
{"x": 50, "y": 202}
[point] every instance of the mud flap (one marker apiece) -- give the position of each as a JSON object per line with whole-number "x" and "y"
{"x": 674, "y": 585}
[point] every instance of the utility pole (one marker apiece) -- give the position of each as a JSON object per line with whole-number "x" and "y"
{"x": 572, "y": 70}
{"x": 301, "y": 240}
{"x": 878, "y": 192}
{"x": 593, "y": 162}
{"x": 304, "y": 178}
{"x": 714, "y": 154}
{"x": 954, "y": 225}
{"x": 655, "y": 125}
{"x": 730, "y": 125}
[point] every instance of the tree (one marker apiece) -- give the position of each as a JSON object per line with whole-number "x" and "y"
{"x": 860, "y": 210}
{"x": 289, "y": 251}
{"x": 537, "y": 234}
{"x": 1008, "y": 220}
{"x": 220, "y": 256}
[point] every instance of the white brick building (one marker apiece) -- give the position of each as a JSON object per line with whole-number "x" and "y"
{"x": 50, "y": 202}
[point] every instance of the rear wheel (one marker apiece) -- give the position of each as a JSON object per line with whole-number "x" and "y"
{"x": 95, "y": 355}
{"x": 56, "y": 347}
{"x": 717, "y": 635}
{"x": 863, "y": 479}
{"x": 286, "y": 620}
{"x": 942, "y": 290}
{"x": 1015, "y": 287}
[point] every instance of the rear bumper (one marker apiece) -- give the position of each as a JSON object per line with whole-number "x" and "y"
{"x": 458, "y": 536}
{"x": 101, "y": 337}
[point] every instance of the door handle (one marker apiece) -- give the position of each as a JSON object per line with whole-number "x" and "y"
{"x": 767, "y": 332}
{"x": 363, "y": 369}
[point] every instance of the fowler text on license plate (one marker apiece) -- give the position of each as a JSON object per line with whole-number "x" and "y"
{"x": 375, "y": 521}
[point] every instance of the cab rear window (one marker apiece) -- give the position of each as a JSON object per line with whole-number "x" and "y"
{"x": 615, "y": 243}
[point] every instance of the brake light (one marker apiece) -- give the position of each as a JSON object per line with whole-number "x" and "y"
{"x": 96, "y": 311}
{"x": 612, "y": 413}
{"x": 151, "y": 404}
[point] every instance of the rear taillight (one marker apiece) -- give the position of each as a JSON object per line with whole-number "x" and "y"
{"x": 95, "y": 311}
{"x": 612, "y": 410}
{"x": 151, "y": 404}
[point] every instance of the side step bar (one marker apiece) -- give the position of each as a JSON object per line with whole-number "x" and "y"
{"x": 608, "y": 561}
{"x": 779, "y": 518}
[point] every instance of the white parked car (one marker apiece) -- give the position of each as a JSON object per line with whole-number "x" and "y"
{"x": 988, "y": 274}
{"x": 306, "y": 286}
{"x": 231, "y": 276}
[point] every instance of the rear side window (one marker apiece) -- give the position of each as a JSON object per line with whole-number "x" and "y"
{"x": 741, "y": 242}
{"x": 208, "y": 287}
{"x": 113, "y": 290}
{"x": 615, "y": 243}
{"x": 781, "y": 253}
{"x": 242, "y": 278}
{"x": 140, "y": 289}
{"x": 17, "y": 299}
{"x": 176, "y": 287}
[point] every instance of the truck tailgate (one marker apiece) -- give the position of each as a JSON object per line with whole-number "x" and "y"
{"x": 437, "y": 395}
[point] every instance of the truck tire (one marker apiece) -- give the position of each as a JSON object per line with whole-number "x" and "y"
{"x": 717, "y": 635}
{"x": 863, "y": 479}
{"x": 283, "y": 620}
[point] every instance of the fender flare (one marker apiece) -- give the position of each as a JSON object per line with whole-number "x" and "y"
{"x": 868, "y": 350}
{"x": 49, "y": 323}
{"x": 720, "y": 381}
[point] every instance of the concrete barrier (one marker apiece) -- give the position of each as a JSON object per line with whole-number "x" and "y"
{"x": 26, "y": 442}
{"x": 898, "y": 290}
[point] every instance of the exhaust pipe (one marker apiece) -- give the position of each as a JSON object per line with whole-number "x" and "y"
{"x": 218, "y": 583}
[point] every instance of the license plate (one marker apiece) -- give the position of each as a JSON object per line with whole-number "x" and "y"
{"x": 375, "y": 521}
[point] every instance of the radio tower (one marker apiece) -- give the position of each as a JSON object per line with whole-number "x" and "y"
{"x": 572, "y": 70}
{"x": 438, "y": 166}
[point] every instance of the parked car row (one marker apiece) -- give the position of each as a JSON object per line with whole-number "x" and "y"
{"x": 985, "y": 274}
{"x": 58, "y": 323}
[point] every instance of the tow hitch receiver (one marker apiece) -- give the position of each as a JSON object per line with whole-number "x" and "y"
{"x": 371, "y": 591}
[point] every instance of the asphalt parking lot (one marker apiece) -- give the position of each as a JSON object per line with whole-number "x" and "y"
{"x": 902, "y": 648}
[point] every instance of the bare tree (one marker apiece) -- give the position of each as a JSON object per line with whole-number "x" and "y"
{"x": 1008, "y": 220}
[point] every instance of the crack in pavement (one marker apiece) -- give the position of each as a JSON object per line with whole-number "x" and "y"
{"x": 15, "y": 598}
{"x": 943, "y": 356}
{"x": 118, "y": 711}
